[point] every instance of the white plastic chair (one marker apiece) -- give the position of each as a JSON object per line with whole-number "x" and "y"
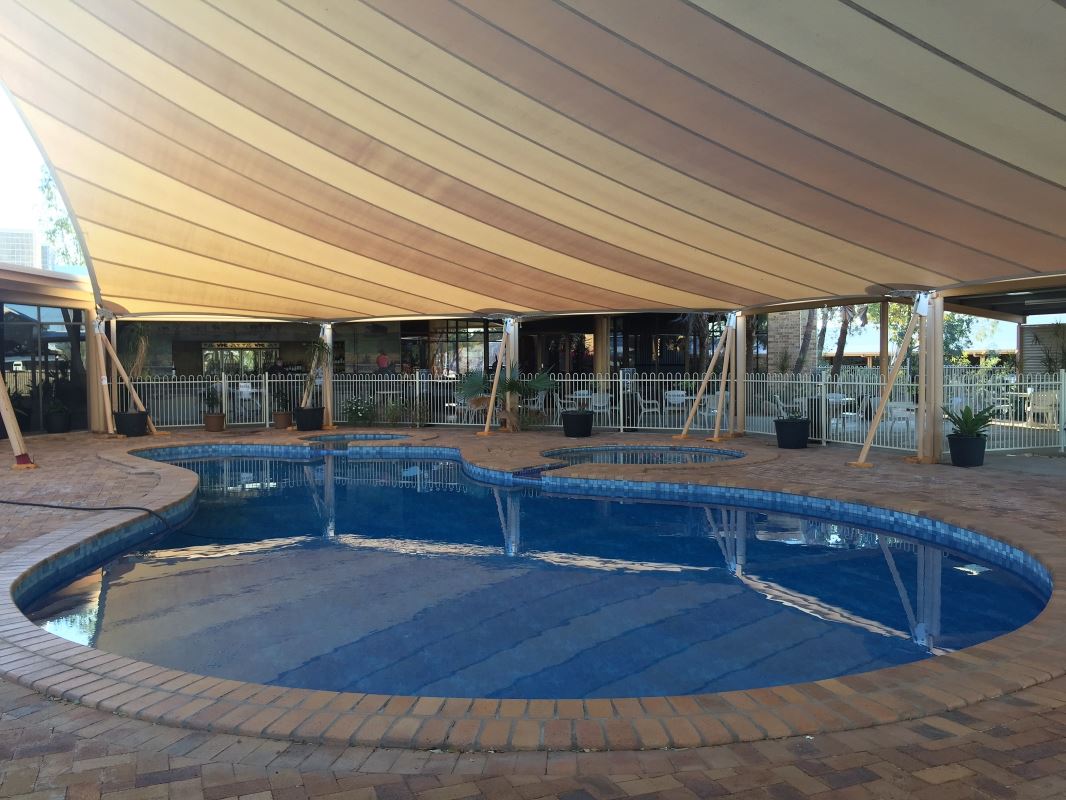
{"x": 708, "y": 410}
{"x": 601, "y": 404}
{"x": 674, "y": 401}
{"x": 563, "y": 404}
{"x": 536, "y": 402}
{"x": 647, "y": 407}
{"x": 896, "y": 413}
{"x": 1043, "y": 404}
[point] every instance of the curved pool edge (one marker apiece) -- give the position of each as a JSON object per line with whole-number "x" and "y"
{"x": 32, "y": 657}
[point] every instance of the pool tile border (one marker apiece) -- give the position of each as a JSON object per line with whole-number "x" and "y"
{"x": 32, "y": 657}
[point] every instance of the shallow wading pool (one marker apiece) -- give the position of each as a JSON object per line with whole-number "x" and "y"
{"x": 642, "y": 455}
{"x": 380, "y": 573}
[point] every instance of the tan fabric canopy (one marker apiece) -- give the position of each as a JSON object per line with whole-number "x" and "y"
{"x": 331, "y": 160}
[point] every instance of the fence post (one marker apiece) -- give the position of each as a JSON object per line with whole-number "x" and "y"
{"x": 267, "y": 401}
{"x": 225, "y": 394}
{"x": 823, "y": 404}
{"x": 1062, "y": 410}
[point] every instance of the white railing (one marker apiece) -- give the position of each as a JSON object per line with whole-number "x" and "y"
{"x": 1028, "y": 412}
{"x": 839, "y": 410}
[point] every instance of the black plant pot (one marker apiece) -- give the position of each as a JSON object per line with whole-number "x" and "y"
{"x": 966, "y": 451}
{"x": 792, "y": 434}
{"x": 131, "y": 423}
{"x": 577, "y": 424}
{"x": 57, "y": 421}
{"x": 309, "y": 419}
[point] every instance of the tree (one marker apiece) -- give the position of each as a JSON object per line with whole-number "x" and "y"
{"x": 958, "y": 330}
{"x": 805, "y": 342}
{"x": 59, "y": 231}
{"x": 55, "y": 221}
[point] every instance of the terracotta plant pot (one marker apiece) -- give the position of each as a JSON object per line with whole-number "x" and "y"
{"x": 215, "y": 423}
{"x": 282, "y": 420}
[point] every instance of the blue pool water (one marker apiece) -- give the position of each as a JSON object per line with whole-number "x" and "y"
{"x": 398, "y": 576}
{"x": 619, "y": 454}
{"x": 354, "y": 437}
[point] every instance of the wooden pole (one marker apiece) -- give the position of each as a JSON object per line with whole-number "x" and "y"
{"x": 726, "y": 362}
{"x": 117, "y": 364}
{"x": 919, "y": 416}
{"x": 500, "y": 357}
{"x": 326, "y": 334}
{"x": 886, "y": 391}
{"x": 703, "y": 385}
{"x": 101, "y": 377}
{"x": 14, "y": 432}
{"x": 112, "y": 332}
{"x": 929, "y": 418}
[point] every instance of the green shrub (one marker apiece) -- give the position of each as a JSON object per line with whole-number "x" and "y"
{"x": 359, "y": 411}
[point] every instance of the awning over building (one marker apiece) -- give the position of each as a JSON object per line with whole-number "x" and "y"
{"x": 334, "y": 160}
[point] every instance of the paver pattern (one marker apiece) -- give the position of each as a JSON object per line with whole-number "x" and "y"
{"x": 1009, "y": 746}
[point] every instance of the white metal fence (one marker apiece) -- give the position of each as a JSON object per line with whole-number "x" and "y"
{"x": 1028, "y": 411}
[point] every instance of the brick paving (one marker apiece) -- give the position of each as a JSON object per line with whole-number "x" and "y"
{"x": 986, "y": 722}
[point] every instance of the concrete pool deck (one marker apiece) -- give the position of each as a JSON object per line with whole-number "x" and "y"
{"x": 746, "y": 739}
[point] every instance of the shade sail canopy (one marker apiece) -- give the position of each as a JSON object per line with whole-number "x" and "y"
{"x": 331, "y": 160}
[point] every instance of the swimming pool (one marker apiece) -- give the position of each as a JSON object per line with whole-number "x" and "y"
{"x": 405, "y": 576}
{"x": 647, "y": 455}
{"x": 354, "y": 437}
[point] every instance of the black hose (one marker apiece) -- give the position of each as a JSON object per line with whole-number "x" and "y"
{"x": 157, "y": 515}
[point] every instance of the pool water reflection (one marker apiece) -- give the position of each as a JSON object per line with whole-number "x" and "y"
{"x": 398, "y": 576}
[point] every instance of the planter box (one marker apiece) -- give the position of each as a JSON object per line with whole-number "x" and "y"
{"x": 577, "y": 424}
{"x": 57, "y": 421}
{"x": 309, "y": 419}
{"x": 282, "y": 420}
{"x": 966, "y": 451}
{"x": 131, "y": 423}
{"x": 792, "y": 434}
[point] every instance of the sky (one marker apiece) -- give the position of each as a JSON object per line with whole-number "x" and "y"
{"x": 20, "y": 164}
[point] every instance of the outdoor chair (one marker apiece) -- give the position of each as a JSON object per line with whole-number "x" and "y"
{"x": 601, "y": 404}
{"x": 646, "y": 407}
{"x": 674, "y": 402}
{"x": 858, "y": 415}
{"x": 900, "y": 413}
{"x": 1045, "y": 405}
{"x": 708, "y": 410}
{"x": 563, "y": 404}
{"x": 536, "y": 402}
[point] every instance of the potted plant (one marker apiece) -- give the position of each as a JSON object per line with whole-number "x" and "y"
{"x": 577, "y": 422}
{"x": 476, "y": 388}
{"x": 134, "y": 338}
{"x": 310, "y": 417}
{"x": 56, "y": 416}
{"x": 792, "y": 431}
{"x": 214, "y": 418}
{"x": 967, "y": 441}
{"x": 282, "y": 408}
